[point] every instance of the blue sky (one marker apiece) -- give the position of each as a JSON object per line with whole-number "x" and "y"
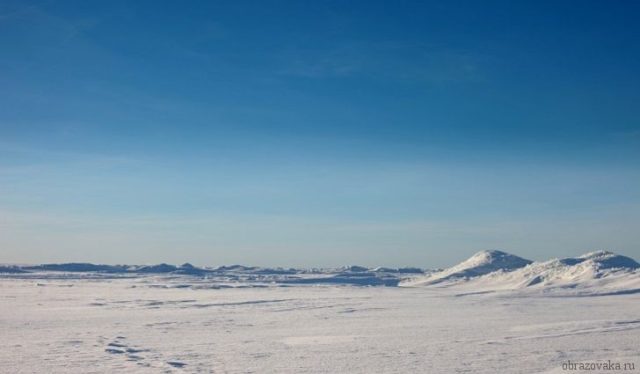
{"x": 317, "y": 133}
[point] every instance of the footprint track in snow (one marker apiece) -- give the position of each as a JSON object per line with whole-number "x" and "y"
{"x": 132, "y": 353}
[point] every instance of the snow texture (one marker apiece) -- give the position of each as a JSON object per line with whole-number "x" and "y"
{"x": 492, "y": 313}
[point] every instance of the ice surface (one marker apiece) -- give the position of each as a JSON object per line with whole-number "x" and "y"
{"x": 493, "y": 313}
{"x": 11, "y": 269}
{"x": 224, "y": 276}
{"x": 145, "y": 324}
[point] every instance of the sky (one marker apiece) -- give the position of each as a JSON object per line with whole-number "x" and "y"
{"x": 324, "y": 133}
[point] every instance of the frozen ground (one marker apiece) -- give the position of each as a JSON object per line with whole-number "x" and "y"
{"x": 88, "y": 322}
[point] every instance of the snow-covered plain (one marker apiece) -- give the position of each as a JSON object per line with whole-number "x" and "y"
{"x": 493, "y": 313}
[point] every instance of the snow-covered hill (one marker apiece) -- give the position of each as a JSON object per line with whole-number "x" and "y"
{"x": 484, "y": 262}
{"x": 595, "y": 273}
